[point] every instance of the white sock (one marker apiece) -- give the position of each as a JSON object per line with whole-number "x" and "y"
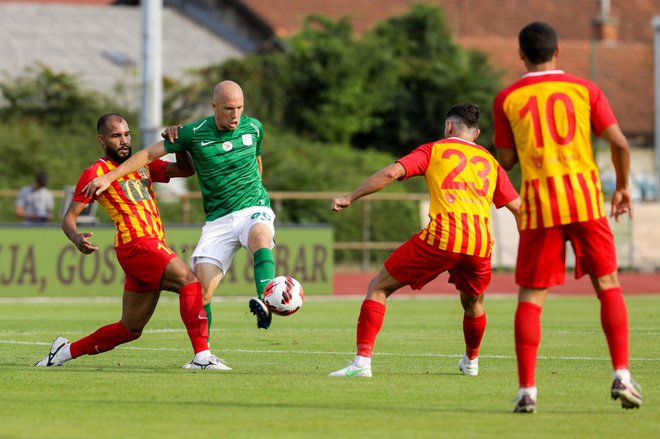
{"x": 202, "y": 355}
{"x": 531, "y": 391}
{"x": 361, "y": 361}
{"x": 623, "y": 375}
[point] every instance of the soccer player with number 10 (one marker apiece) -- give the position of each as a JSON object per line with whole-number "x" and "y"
{"x": 545, "y": 121}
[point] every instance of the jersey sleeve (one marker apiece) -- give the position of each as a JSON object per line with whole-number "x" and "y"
{"x": 417, "y": 162}
{"x": 183, "y": 142}
{"x": 602, "y": 115}
{"x": 503, "y": 137}
{"x": 88, "y": 175}
{"x": 504, "y": 190}
{"x": 157, "y": 170}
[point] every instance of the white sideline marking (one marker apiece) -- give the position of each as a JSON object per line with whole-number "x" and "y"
{"x": 382, "y": 354}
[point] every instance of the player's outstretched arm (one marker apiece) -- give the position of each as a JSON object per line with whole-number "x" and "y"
{"x": 80, "y": 240}
{"x": 137, "y": 161}
{"x": 375, "y": 183}
{"x": 621, "y": 198}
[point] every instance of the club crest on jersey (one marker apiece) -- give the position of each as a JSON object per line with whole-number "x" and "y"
{"x": 227, "y": 146}
{"x": 538, "y": 161}
{"x": 247, "y": 139}
{"x": 142, "y": 172}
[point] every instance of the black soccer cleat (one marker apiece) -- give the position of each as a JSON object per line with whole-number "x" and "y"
{"x": 259, "y": 309}
{"x": 525, "y": 405}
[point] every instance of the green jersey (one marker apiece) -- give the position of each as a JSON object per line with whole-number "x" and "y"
{"x": 225, "y": 163}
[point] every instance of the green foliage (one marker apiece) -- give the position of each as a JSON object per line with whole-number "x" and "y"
{"x": 389, "y": 90}
{"x": 49, "y": 123}
{"x": 328, "y": 103}
{"x": 434, "y": 73}
{"x": 44, "y": 96}
{"x": 294, "y": 164}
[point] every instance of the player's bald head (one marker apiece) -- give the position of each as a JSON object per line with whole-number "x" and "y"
{"x": 227, "y": 90}
{"x": 227, "y": 105}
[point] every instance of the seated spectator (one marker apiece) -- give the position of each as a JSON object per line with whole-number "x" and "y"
{"x": 34, "y": 204}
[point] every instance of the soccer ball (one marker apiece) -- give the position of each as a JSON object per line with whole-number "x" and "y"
{"x": 284, "y": 295}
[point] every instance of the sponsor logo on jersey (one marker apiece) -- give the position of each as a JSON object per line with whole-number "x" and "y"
{"x": 207, "y": 142}
{"x": 247, "y": 139}
{"x": 227, "y": 146}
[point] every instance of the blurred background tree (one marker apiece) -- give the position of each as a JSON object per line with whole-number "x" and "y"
{"x": 336, "y": 109}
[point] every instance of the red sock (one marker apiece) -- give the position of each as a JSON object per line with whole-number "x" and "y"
{"x": 473, "y": 332}
{"x": 527, "y": 328}
{"x": 193, "y": 315}
{"x": 614, "y": 318}
{"x": 369, "y": 323}
{"x": 104, "y": 339}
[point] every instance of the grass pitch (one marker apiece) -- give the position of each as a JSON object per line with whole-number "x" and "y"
{"x": 279, "y": 387}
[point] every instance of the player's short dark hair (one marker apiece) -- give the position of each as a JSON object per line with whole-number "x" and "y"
{"x": 538, "y": 41}
{"x": 466, "y": 113}
{"x": 102, "y": 123}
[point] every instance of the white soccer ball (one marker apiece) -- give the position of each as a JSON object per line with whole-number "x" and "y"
{"x": 284, "y": 295}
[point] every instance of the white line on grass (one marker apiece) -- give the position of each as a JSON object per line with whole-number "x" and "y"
{"x": 383, "y": 354}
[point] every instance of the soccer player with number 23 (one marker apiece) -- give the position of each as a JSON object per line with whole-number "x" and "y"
{"x": 464, "y": 179}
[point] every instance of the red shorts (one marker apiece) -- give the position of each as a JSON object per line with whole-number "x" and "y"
{"x": 542, "y": 253}
{"x": 416, "y": 263}
{"x": 144, "y": 261}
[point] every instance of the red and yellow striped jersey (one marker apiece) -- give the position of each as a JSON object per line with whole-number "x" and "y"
{"x": 548, "y": 117}
{"x": 130, "y": 201}
{"x": 464, "y": 179}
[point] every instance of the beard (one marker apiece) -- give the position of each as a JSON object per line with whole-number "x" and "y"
{"x": 114, "y": 155}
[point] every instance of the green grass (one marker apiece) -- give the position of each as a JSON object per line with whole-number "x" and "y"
{"x": 279, "y": 386}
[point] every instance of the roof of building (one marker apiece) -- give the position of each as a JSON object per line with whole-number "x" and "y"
{"x": 622, "y": 68}
{"x": 101, "y": 44}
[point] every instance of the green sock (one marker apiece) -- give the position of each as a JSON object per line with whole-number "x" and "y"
{"x": 209, "y": 316}
{"x": 264, "y": 269}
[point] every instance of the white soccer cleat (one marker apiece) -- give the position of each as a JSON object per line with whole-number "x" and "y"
{"x": 352, "y": 371}
{"x": 210, "y": 363}
{"x": 54, "y": 357}
{"x": 468, "y": 367}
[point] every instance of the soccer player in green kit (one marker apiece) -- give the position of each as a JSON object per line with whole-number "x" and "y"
{"x": 226, "y": 151}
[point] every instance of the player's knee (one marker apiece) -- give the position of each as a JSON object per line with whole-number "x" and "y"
{"x": 182, "y": 279}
